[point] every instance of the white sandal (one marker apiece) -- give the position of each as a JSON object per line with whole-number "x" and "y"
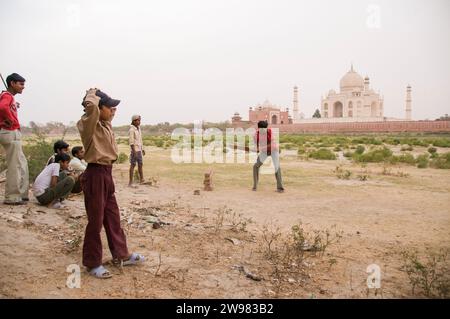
{"x": 100, "y": 272}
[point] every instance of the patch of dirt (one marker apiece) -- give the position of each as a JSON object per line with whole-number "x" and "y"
{"x": 190, "y": 254}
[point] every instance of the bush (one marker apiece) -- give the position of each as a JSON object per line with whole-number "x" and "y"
{"x": 301, "y": 151}
{"x": 406, "y": 148}
{"x": 429, "y": 275}
{"x": 404, "y": 158}
{"x": 348, "y": 154}
{"x": 337, "y": 149}
{"x": 322, "y": 154}
{"x": 159, "y": 143}
{"x": 374, "y": 156}
{"x": 441, "y": 161}
{"x": 360, "y": 149}
{"x": 432, "y": 150}
{"x": 122, "y": 158}
{"x": 422, "y": 161}
{"x": 37, "y": 151}
{"x": 441, "y": 142}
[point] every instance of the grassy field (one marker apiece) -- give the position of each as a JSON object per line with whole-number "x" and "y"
{"x": 386, "y": 210}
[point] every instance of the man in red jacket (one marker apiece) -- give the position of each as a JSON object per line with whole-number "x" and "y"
{"x": 17, "y": 183}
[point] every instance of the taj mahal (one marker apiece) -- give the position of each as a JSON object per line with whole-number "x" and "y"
{"x": 356, "y": 101}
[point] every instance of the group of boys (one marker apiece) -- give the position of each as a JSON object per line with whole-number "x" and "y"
{"x": 90, "y": 170}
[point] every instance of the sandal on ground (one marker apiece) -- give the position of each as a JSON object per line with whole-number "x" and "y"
{"x": 134, "y": 259}
{"x": 58, "y": 205}
{"x": 100, "y": 272}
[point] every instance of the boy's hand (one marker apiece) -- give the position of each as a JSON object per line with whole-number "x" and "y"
{"x": 143, "y": 153}
{"x": 90, "y": 92}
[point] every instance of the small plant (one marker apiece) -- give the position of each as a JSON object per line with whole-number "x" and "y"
{"x": 348, "y": 154}
{"x": 441, "y": 161}
{"x": 431, "y": 276}
{"x": 376, "y": 155}
{"x": 323, "y": 154}
{"x": 360, "y": 149}
{"x": 37, "y": 151}
{"x": 270, "y": 235}
{"x": 432, "y": 150}
{"x": 219, "y": 217}
{"x": 301, "y": 151}
{"x": 422, "y": 161}
{"x": 238, "y": 222}
{"x": 406, "y": 148}
{"x": 317, "y": 241}
{"x": 122, "y": 158}
{"x": 341, "y": 173}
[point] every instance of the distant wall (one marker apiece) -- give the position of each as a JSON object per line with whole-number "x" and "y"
{"x": 364, "y": 127}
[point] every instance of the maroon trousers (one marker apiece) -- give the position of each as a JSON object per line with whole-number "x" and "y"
{"x": 102, "y": 210}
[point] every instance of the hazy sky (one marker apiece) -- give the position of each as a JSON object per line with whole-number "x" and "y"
{"x": 183, "y": 61}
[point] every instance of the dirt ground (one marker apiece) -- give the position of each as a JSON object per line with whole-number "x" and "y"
{"x": 206, "y": 243}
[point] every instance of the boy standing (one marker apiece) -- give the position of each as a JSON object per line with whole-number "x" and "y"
{"x": 137, "y": 151}
{"x": 17, "y": 179}
{"x": 101, "y": 206}
{"x": 266, "y": 146}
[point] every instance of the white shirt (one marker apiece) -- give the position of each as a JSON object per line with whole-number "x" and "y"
{"x": 79, "y": 166}
{"x": 44, "y": 179}
{"x": 135, "y": 137}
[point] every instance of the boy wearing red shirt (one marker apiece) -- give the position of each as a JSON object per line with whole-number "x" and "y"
{"x": 266, "y": 146}
{"x": 17, "y": 183}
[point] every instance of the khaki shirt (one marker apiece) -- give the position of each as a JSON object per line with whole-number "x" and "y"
{"x": 97, "y": 135}
{"x": 135, "y": 138}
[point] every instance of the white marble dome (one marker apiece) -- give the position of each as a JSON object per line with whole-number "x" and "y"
{"x": 351, "y": 80}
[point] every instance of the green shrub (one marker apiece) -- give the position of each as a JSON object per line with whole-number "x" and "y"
{"x": 159, "y": 143}
{"x": 404, "y": 158}
{"x": 406, "y": 148}
{"x": 422, "y": 161}
{"x": 441, "y": 161}
{"x": 322, "y": 154}
{"x": 432, "y": 150}
{"x": 441, "y": 142}
{"x": 301, "y": 151}
{"x": 360, "y": 149}
{"x": 348, "y": 154}
{"x": 374, "y": 156}
{"x": 122, "y": 158}
{"x": 37, "y": 152}
{"x": 337, "y": 149}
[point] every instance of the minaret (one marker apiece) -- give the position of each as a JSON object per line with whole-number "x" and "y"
{"x": 366, "y": 84}
{"x": 408, "y": 103}
{"x": 295, "y": 103}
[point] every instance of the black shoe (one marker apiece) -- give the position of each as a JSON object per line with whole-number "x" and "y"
{"x": 15, "y": 203}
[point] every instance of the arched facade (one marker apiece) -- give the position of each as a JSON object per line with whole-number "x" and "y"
{"x": 356, "y": 97}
